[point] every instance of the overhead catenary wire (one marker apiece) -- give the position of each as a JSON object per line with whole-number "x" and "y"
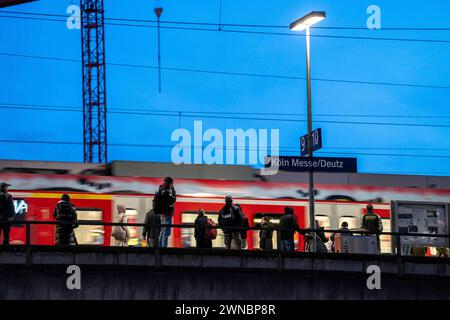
{"x": 220, "y": 23}
{"x": 141, "y": 145}
{"x": 229, "y": 73}
{"x": 208, "y": 116}
{"x": 183, "y": 110}
{"x": 246, "y": 31}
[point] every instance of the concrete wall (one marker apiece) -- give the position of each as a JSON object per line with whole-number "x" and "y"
{"x": 114, "y": 273}
{"x": 50, "y": 283}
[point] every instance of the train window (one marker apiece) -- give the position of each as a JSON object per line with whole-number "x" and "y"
{"x": 89, "y": 234}
{"x": 275, "y": 219}
{"x": 351, "y": 221}
{"x": 132, "y": 215}
{"x": 187, "y": 234}
{"x": 385, "y": 240}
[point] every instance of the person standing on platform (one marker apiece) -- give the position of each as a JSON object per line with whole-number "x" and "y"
{"x": 165, "y": 199}
{"x": 289, "y": 223}
{"x": 372, "y": 222}
{"x": 201, "y": 230}
{"x": 7, "y": 212}
{"x": 66, "y": 215}
{"x": 151, "y": 232}
{"x": 120, "y": 234}
{"x": 245, "y": 225}
{"x": 230, "y": 216}
{"x": 266, "y": 234}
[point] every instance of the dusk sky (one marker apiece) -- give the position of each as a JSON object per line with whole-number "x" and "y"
{"x": 383, "y": 101}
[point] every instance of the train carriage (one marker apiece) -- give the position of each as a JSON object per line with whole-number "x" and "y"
{"x": 96, "y": 198}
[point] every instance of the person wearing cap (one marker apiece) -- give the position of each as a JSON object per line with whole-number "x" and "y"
{"x": 230, "y": 216}
{"x": 372, "y": 223}
{"x": 7, "y": 212}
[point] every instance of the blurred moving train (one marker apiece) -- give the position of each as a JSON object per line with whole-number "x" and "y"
{"x": 37, "y": 187}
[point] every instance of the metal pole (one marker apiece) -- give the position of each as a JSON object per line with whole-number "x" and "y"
{"x": 159, "y": 56}
{"x": 312, "y": 217}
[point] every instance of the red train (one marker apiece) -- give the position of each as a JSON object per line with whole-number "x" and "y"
{"x": 96, "y": 198}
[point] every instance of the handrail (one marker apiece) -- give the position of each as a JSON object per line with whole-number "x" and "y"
{"x": 280, "y": 256}
{"x": 191, "y": 226}
{"x": 235, "y": 228}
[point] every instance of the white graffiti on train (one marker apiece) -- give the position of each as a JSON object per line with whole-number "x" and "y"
{"x": 239, "y": 146}
{"x": 374, "y": 20}
{"x": 374, "y": 280}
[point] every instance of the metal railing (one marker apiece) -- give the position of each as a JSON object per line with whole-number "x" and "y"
{"x": 396, "y": 237}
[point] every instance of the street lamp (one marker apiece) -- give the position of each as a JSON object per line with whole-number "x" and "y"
{"x": 304, "y": 23}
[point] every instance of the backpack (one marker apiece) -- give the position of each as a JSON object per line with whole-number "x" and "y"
{"x": 119, "y": 233}
{"x": 162, "y": 200}
{"x": 211, "y": 233}
{"x": 157, "y": 202}
{"x": 65, "y": 212}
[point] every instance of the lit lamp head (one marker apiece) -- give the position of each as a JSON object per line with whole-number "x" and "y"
{"x": 307, "y": 21}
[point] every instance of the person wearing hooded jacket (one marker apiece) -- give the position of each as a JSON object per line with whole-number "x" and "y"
{"x": 66, "y": 215}
{"x": 121, "y": 217}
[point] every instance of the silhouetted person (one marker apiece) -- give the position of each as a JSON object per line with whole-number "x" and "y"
{"x": 151, "y": 233}
{"x": 266, "y": 234}
{"x": 7, "y": 212}
{"x": 230, "y": 216}
{"x": 66, "y": 214}
{"x": 344, "y": 227}
{"x": 245, "y": 225}
{"x": 288, "y": 221}
{"x": 372, "y": 222}
{"x": 201, "y": 227}
{"x": 165, "y": 199}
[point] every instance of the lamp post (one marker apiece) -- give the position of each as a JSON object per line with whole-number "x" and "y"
{"x": 304, "y": 23}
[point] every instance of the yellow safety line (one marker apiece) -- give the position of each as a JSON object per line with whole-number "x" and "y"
{"x": 72, "y": 196}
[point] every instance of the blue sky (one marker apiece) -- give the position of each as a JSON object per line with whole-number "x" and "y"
{"x": 425, "y": 145}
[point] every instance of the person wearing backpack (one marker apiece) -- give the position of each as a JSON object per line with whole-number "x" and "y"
{"x": 230, "y": 216}
{"x": 120, "y": 234}
{"x": 203, "y": 235}
{"x": 165, "y": 199}
{"x": 7, "y": 212}
{"x": 151, "y": 232}
{"x": 66, "y": 215}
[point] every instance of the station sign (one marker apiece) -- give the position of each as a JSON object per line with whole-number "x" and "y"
{"x": 315, "y": 164}
{"x": 316, "y": 137}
